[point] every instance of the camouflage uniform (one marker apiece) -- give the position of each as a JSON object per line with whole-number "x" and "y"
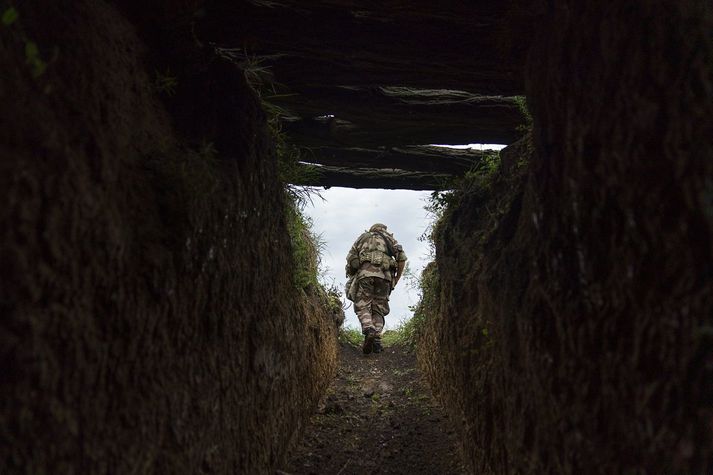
{"x": 371, "y": 263}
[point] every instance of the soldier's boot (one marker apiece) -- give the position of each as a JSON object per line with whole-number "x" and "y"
{"x": 377, "y": 345}
{"x": 369, "y": 338}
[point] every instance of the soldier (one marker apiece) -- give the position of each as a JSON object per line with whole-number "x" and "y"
{"x": 375, "y": 264}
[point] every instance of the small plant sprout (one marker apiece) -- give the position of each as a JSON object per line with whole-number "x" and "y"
{"x": 9, "y": 16}
{"x": 165, "y": 82}
{"x": 34, "y": 60}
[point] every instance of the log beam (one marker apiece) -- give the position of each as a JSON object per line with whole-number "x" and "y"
{"x": 425, "y": 159}
{"x": 420, "y": 44}
{"x": 331, "y": 131}
{"x": 367, "y": 117}
{"x": 372, "y": 178}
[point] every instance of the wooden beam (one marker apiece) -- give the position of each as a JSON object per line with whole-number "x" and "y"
{"x": 425, "y": 159}
{"x": 335, "y": 132}
{"x": 398, "y": 116}
{"x": 373, "y": 178}
{"x": 356, "y": 103}
{"x": 394, "y": 43}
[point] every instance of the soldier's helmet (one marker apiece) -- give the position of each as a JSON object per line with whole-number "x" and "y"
{"x": 377, "y": 227}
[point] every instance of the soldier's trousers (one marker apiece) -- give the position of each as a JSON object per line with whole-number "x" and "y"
{"x": 371, "y": 302}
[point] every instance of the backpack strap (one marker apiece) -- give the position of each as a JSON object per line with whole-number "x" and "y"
{"x": 389, "y": 247}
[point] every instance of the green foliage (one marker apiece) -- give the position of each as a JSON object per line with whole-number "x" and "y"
{"x": 427, "y": 305}
{"x": 291, "y": 171}
{"x": 521, "y": 102}
{"x": 34, "y": 59}
{"x": 478, "y": 179}
{"x": 291, "y": 168}
{"x": 9, "y": 16}
{"x": 165, "y": 82}
{"x": 306, "y": 247}
{"x": 524, "y": 158}
{"x": 350, "y": 336}
{"x": 488, "y": 166}
{"x": 334, "y": 299}
{"x": 32, "y": 53}
{"x": 256, "y": 73}
{"x": 403, "y": 335}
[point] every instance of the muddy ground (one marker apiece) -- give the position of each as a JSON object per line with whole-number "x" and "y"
{"x": 377, "y": 417}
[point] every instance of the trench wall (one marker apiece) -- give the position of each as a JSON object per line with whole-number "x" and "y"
{"x": 570, "y": 315}
{"x": 149, "y": 319}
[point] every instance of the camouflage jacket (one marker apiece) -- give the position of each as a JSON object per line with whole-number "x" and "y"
{"x": 372, "y": 256}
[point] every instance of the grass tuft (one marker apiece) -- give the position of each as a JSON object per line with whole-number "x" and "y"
{"x": 521, "y": 102}
{"x": 306, "y": 247}
{"x": 350, "y": 336}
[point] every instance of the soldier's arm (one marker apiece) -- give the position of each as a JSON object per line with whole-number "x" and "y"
{"x": 352, "y": 258}
{"x": 400, "y": 264}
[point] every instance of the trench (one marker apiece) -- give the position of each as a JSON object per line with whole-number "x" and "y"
{"x": 154, "y": 319}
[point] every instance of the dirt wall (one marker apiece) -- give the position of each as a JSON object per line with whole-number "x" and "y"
{"x": 571, "y": 325}
{"x": 149, "y": 319}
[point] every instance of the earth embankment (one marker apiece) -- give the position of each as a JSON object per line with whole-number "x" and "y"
{"x": 571, "y": 310}
{"x": 150, "y": 320}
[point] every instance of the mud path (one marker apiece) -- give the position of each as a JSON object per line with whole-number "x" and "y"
{"x": 377, "y": 417}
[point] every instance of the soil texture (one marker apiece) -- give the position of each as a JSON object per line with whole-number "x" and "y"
{"x": 377, "y": 417}
{"x": 132, "y": 340}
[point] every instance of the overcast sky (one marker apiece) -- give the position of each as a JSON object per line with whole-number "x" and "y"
{"x": 345, "y": 213}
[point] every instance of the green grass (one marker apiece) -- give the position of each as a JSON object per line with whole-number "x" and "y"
{"x": 334, "y": 299}
{"x": 37, "y": 64}
{"x": 306, "y": 247}
{"x": 479, "y": 180}
{"x": 9, "y": 16}
{"x": 409, "y": 331}
{"x": 403, "y": 335}
{"x": 521, "y": 102}
{"x": 400, "y": 336}
{"x": 406, "y": 334}
{"x": 165, "y": 83}
{"x": 350, "y": 335}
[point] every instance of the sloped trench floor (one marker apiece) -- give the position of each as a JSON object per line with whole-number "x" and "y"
{"x": 377, "y": 417}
